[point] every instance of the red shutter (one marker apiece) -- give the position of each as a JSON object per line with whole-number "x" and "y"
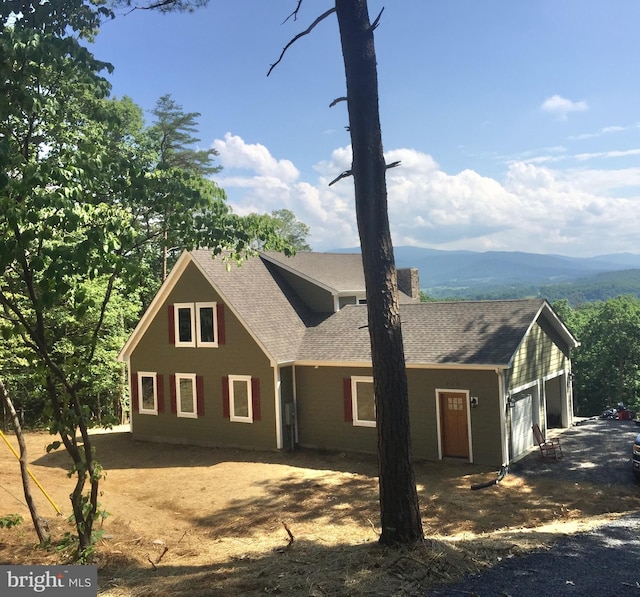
{"x": 348, "y": 404}
{"x": 255, "y": 398}
{"x": 225, "y": 398}
{"x": 200, "y": 394}
{"x": 134, "y": 393}
{"x": 172, "y": 326}
{"x": 160, "y": 392}
{"x": 172, "y": 391}
{"x": 220, "y": 318}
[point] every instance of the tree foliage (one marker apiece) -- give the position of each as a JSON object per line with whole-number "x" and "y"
{"x": 81, "y": 192}
{"x": 606, "y": 365}
{"x": 291, "y": 229}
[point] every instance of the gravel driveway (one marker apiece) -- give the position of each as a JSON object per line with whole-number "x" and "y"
{"x": 602, "y": 563}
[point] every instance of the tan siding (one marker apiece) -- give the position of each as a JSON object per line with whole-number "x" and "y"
{"x": 240, "y": 355}
{"x": 321, "y": 422}
{"x": 321, "y": 413}
{"x": 536, "y": 357}
{"x": 485, "y": 418}
{"x": 317, "y": 298}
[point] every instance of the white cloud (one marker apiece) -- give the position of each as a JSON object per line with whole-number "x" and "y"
{"x": 607, "y": 154}
{"x": 561, "y": 106}
{"x": 235, "y": 153}
{"x": 534, "y": 208}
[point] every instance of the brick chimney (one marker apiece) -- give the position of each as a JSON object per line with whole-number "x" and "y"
{"x": 409, "y": 281}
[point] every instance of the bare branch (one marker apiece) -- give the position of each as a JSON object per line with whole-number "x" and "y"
{"x": 309, "y": 29}
{"x": 337, "y": 101}
{"x": 294, "y": 14}
{"x": 375, "y": 23}
{"x": 345, "y": 174}
{"x": 392, "y": 165}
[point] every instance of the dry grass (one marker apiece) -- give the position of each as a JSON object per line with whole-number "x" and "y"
{"x": 198, "y": 522}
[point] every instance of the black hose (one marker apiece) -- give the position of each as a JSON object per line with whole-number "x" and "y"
{"x": 502, "y": 473}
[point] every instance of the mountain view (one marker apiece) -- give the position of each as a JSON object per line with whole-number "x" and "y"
{"x": 504, "y": 274}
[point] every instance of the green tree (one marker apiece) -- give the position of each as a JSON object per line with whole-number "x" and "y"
{"x": 607, "y": 363}
{"x": 399, "y": 507}
{"x": 78, "y": 189}
{"x": 181, "y": 173}
{"x": 291, "y": 229}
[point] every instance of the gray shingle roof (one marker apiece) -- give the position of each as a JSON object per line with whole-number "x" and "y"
{"x": 268, "y": 308}
{"x": 479, "y": 333}
{"x": 469, "y": 333}
{"x": 340, "y": 272}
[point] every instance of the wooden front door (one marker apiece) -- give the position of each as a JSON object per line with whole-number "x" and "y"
{"x": 453, "y": 425}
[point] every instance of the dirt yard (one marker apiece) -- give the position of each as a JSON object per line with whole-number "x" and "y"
{"x": 203, "y": 522}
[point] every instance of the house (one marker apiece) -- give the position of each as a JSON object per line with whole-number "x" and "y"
{"x": 275, "y": 354}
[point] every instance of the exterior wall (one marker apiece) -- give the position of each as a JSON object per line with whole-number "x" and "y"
{"x": 239, "y": 355}
{"x": 319, "y": 300}
{"x": 322, "y": 423}
{"x": 538, "y": 357}
{"x": 320, "y": 410}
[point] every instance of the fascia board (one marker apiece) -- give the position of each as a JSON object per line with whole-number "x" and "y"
{"x": 273, "y": 362}
{"x": 300, "y": 274}
{"x": 155, "y": 305}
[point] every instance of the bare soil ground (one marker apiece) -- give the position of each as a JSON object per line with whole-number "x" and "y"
{"x": 203, "y": 522}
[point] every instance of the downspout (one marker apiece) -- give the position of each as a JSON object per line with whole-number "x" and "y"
{"x": 502, "y": 404}
{"x": 277, "y": 390}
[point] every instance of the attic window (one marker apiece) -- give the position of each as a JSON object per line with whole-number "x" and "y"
{"x": 196, "y": 324}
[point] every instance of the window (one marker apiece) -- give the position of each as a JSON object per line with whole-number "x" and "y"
{"x": 186, "y": 395}
{"x": 363, "y": 402}
{"x": 184, "y": 324}
{"x": 240, "y": 399}
{"x": 147, "y": 393}
{"x": 196, "y": 324}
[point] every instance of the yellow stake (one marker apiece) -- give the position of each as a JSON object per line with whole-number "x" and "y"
{"x": 4, "y": 437}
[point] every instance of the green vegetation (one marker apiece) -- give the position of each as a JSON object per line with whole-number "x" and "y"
{"x": 599, "y": 287}
{"x": 90, "y": 202}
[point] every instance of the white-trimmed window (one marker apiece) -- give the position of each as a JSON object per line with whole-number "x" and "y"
{"x": 363, "y": 401}
{"x": 147, "y": 393}
{"x": 196, "y": 324}
{"x": 240, "y": 399}
{"x": 185, "y": 323}
{"x": 207, "y": 325}
{"x": 186, "y": 395}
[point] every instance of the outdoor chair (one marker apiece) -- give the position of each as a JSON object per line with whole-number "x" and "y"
{"x": 548, "y": 448}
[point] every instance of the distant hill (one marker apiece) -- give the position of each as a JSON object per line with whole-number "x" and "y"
{"x": 504, "y": 274}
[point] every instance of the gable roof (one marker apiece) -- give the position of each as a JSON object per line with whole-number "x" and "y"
{"x": 479, "y": 333}
{"x": 335, "y": 272}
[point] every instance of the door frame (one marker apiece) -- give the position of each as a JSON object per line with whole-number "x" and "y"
{"x": 438, "y": 392}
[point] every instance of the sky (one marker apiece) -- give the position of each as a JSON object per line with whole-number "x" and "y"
{"x": 517, "y": 124}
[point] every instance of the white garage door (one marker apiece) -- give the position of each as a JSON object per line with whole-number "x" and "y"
{"x": 521, "y": 422}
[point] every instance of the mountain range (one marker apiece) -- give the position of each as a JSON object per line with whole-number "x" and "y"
{"x": 444, "y": 273}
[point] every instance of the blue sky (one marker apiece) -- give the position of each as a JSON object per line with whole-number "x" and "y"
{"x": 517, "y": 123}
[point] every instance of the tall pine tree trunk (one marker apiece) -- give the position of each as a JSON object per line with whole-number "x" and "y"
{"x": 399, "y": 508}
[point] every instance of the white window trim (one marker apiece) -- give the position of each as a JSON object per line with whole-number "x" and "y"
{"x": 355, "y": 380}
{"x": 235, "y": 418}
{"x": 179, "y": 412}
{"x": 199, "y": 341}
{"x": 141, "y": 409}
{"x": 176, "y": 323}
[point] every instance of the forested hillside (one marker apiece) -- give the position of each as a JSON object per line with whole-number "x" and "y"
{"x": 598, "y": 287}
